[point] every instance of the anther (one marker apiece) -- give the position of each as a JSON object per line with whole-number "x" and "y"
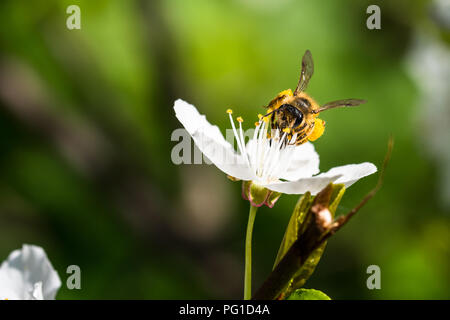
{"x": 229, "y": 111}
{"x": 239, "y": 119}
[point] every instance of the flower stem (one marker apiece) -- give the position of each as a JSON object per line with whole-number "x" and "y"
{"x": 248, "y": 254}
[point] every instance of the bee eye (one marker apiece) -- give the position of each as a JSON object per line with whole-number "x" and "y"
{"x": 298, "y": 119}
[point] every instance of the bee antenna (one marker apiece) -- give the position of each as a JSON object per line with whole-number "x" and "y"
{"x": 268, "y": 114}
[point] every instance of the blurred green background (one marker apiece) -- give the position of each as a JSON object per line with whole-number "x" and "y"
{"x": 86, "y": 119}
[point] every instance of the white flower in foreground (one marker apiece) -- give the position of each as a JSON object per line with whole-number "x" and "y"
{"x": 268, "y": 163}
{"x": 27, "y": 274}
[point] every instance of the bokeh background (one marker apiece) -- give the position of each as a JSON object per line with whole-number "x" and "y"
{"x": 86, "y": 120}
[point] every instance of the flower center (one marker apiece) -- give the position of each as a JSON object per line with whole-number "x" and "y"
{"x": 268, "y": 153}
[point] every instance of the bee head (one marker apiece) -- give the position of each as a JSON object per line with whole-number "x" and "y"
{"x": 292, "y": 113}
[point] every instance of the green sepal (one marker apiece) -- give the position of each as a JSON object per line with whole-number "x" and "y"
{"x": 258, "y": 195}
{"x": 273, "y": 197}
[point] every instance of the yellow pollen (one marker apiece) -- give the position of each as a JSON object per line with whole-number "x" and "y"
{"x": 229, "y": 111}
{"x": 239, "y": 119}
{"x": 287, "y": 130}
{"x": 260, "y": 116}
{"x": 319, "y": 128}
{"x": 256, "y": 124}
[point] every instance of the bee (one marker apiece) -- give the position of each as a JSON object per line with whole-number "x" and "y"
{"x": 296, "y": 112}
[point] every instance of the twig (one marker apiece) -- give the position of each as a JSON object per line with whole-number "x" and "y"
{"x": 315, "y": 235}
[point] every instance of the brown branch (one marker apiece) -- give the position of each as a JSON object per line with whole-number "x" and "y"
{"x": 316, "y": 233}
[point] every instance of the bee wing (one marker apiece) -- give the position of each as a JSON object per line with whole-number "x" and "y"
{"x": 307, "y": 72}
{"x": 341, "y": 103}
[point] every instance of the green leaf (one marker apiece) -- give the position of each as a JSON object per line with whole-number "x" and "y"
{"x": 306, "y": 270}
{"x": 308, "y": 294}
{"x": 336, "y": 196}
{"x": 303, "y": 243}
{"x": 309, "y": 266}
{"x": 294, "y": 230}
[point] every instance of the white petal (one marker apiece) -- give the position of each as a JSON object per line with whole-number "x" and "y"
{"x": 211, "y": 142}
{"x": 193, "y": 122}
{"x": 350, "y": 173}
{"x": 312, "y": 184}
{"x": 33, "y": 266}
{"x": 347, "y": 175}
{"x": 304, "y": 163}
{"x": 12, "y": 284}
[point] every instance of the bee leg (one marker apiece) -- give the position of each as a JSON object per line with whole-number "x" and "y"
{"x": 272, "y": 121}
{"x": 268, "y": 114}
{"x": 276, "y": 110}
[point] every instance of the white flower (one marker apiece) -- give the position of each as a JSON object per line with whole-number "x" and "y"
{"x": 27, "y": 274}
{"x": 267, "y": 162}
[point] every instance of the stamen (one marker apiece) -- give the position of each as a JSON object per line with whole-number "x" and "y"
{"x": 285, "y": 159}
{"x": 294, "y": 137}
{"x": 254, "y": 151}
{"x": 235, "y": 133}
{"x": 239, "y": 138}
{"x": 243, "y": 141}
{"x": 275, "y": 155}
{"x": 260, "y": 148}
{"x": 270, "y": 151}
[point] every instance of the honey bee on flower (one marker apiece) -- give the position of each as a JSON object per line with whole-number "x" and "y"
{"x": 267, "y": 165}
{"x": 278, "y": 158}
{"x": 296, "y": 112}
